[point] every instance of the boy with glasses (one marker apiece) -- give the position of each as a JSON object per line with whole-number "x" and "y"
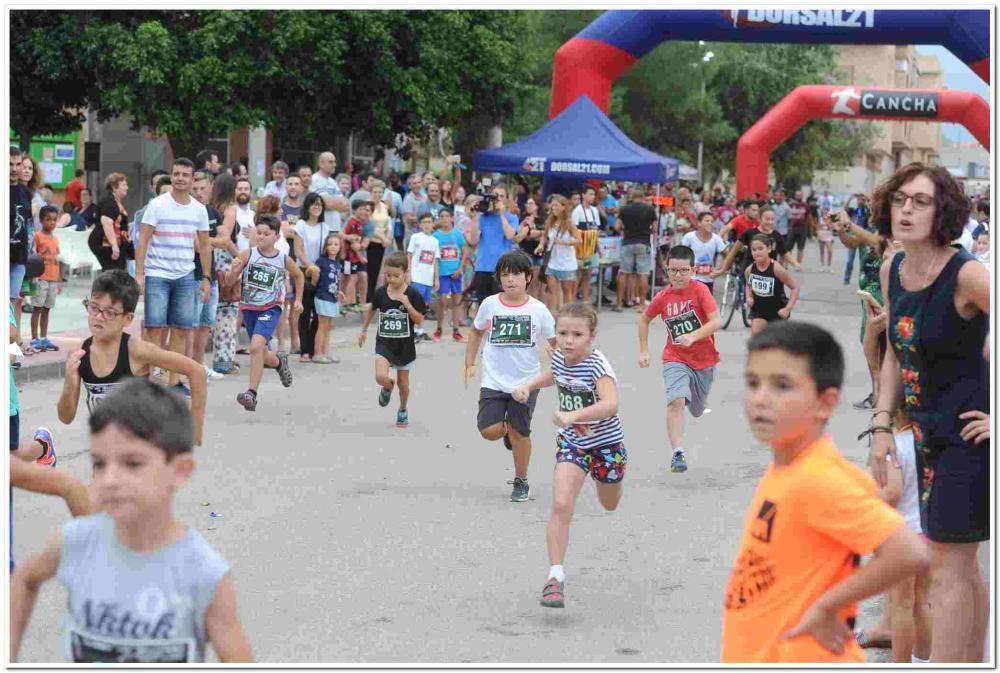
{"x": 689, "y": 357}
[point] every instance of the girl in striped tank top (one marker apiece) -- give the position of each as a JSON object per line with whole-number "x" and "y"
{"x": 590, "y": 440}
{"x": 262, "y": 272}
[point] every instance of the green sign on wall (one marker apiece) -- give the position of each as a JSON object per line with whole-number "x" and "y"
{"x": 57, "y": 157}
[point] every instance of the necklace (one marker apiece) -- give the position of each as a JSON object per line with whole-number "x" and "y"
{"x": 931, "y": 267}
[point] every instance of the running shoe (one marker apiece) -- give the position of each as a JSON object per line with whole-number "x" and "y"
{"x": 182, "y": 389}
{"x": 213, "y": 375}
{"x": 437, "y": 335}
{"x": 384, "y": 395}
{"x": 44, "y": 437}
{"x": 402, "y": 418}
{"x": 284, "y": 371}
{"x": 520, "y": 490}
{"x": 677, "y": 463}
{"x": 36, "y": 345}
{"x": 867, "y": 403}
{"x": 248, "y": 399}
{"x": 48, "y": 345}
{"x": 553, "y": 594}
{"x": 324, "y": 360}
{"x": 457, "y": 336}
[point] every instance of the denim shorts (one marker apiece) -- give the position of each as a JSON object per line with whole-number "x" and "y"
{"x": 16, "y": 279}
{"x": 636, "y": 258}
{"x": 450, "y": 285}
{"x": 170, "y": 302}
{"x": 327, "y": 309}
{"x": 561, "y": 275}
{"x": 204, "y": 313}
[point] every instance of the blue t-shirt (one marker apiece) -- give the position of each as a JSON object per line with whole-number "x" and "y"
{"x": 610, "y": 203}
{"x": 451, "y": 251}
{"x": 328, "y": 286}
{"x": 492, "y": 243}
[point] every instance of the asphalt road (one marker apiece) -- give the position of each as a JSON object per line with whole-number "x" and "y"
{"x": 353, "y": 541}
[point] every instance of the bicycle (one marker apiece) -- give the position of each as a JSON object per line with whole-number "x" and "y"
{"x": 734, "y": 296}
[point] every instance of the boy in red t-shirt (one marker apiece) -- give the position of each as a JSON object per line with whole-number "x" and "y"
{"x": 691, "y": 315}
{"x": 356, "y": 246}
{"x": 47, "y": 246}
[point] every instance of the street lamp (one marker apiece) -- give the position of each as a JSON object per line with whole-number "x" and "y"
{"x": 706, "y": 57}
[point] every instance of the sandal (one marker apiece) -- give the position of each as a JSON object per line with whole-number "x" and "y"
{"x": 553, "y": 595}
{"x": 864, "y": 642}
{"x": 305, "y": 358}
{"x": 28, "y": 350}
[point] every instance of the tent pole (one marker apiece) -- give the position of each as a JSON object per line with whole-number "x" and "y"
{"x": 655, "y": 241}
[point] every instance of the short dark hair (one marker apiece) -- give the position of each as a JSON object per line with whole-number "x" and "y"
{"x": 951, "y": 206}
{"x": 357, "y": 203}
{"x": 269, "y": 220}
{"x": 707, "y": 213}
{"x": 79, "y": 173}
{"x": 587, "y": 187}
{"x": 160, "y": 182}
{"x": 396, "y": 260}
{"x": 515, "y": 262}
{"x": 203, "y": 174}
{"x": 819, "y": 347}
{"x": 150, "y": 412}
{"x": 183, "y": 161}
{"x": 426, "y": 215}
{"x": 156, "y": 174}
{"x": 48, "y": 210}
{"x": 762, "y": 238}
{"x": 681, "y": 252}
{"x": 984, "y": 208}
{"x": 204, "y": 157}
{"x": 16, "y": 151}
{"x": 117, "y": 285}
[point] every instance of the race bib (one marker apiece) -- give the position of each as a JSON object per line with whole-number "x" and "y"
{"x": 572, "y": 399}
{"x": 703, "y": 269}
{"x": 88, "y": 648}
{"x": 511, "y": 330}
{"x": 393, "y": 324}
{"x": 684, "y": 323}
{"x": 426, "y": 256}
{"x": 262, "y": 276}
{"x": 449, "y": 253}
{"x": 762, "y": 286}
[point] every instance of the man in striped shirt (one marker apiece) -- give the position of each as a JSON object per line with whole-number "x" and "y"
{"x": 174, "y": 227}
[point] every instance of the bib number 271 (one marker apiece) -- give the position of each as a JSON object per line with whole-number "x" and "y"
{"x": 511, "y": 330}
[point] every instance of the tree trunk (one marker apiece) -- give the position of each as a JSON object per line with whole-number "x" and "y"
{"x": 24, "y": 138}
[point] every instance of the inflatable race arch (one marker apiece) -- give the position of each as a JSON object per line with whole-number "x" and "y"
{"x": 804, "y": 103}
{"x": 592, "y": 60}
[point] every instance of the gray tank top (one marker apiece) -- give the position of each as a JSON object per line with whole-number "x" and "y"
{"x": 263, "y": 281}
{"x": 135, "y": 607}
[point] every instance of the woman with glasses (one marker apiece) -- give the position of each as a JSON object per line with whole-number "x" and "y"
{"x": 936, "y": 367}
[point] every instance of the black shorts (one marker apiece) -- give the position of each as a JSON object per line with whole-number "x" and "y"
{"x": 769, "y": 315}
{"x": 357, "y": 268}
{"x": 954, "y": 490}
{"x": 497, "y": 407}
{"x": 15, "y": 431}
{"x": 795, "y": 239}
{"x": 484, "y": 284}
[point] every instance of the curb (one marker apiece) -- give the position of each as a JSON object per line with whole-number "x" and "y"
{"x": 49, "y": 370}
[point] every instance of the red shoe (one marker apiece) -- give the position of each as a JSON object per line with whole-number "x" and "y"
{"x": 457, "y": 336}
{"x": 44, "y": 437}
{"x": 437, "y": 335}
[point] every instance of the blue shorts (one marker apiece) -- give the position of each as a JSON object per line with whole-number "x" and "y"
{"x": 449, "y": 285}
{"x": 561, "y": 275}
{"x": 204, "y": 313}
{"x": 327, "y": 309}
{"x": 263, "y": 323}
{"x": 16, "y": 279}
{"x": 170, "y": 303}
{"x": 424, "y": 290}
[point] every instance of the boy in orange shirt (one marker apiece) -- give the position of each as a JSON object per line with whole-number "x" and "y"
{"x": 793, "y": 592}
{"x": 49, "y": 285}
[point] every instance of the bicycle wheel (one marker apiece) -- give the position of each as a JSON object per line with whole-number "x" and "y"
{"x": 744, "y": 309}
{"x": 727, "y": 295}
{"x": 729, "y": 299}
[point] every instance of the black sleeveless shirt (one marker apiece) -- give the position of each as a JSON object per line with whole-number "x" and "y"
{"x": 99, "y": 387}
{"x": 768, "y": 292}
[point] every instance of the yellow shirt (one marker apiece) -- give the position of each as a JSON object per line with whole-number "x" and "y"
{"x": 808, "y": 525}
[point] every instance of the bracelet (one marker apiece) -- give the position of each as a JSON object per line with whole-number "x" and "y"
{"x": 881, "y": 412}
{"x": 880, "y": 428}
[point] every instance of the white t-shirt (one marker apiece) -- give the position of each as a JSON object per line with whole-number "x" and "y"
{"x": 244, "y": 218}
{"x": 909, "y": 504}
{"x": 704, "y": 254}
{"x": 586, "y": 217}
{"x": 512, "y": 336}
{"x": 426, "y": 251}
{"x": 327, "y": 186}
{"x": 312, "y": 236}
{"x": 171, "y": 249}
{"x": 563, "y": 257}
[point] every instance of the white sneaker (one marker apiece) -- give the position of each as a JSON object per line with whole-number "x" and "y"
{"x": 213, "y": 375}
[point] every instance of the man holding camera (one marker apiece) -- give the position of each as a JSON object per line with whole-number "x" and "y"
{"x": 491, "y": 231}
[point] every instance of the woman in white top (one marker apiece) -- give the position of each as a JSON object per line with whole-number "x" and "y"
{"x": 381, "y": 239}
{"x": 310, "y": 232}
{"x": 560, "y": 239}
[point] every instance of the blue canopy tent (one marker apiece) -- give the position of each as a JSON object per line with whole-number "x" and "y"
{"x": 580, "y": 143}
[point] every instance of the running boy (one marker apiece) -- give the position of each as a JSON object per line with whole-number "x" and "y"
{"x": 689, "y": 356}
{"x": 400, "y": 309}
{"x": 765, "y": 286}
{"x": 590, "y": 439}
{"x": 515, "y": 324}
{"x": 454, "y": 258}
{"x": 159, "y": 592}
{"x": 793, "y": 591}
{"x": 706, "y": 246}
{"x": 109, "y": 357}
{"x": 49, "y": 283}
{"x": 422, "y": 255}
{"x": 262, "y": 270}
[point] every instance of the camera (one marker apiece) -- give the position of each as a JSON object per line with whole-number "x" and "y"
{"x": 489, "y": 200}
